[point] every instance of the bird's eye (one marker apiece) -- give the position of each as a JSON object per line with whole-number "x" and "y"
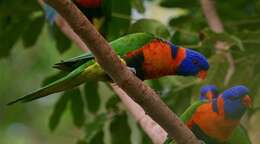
{"x": 195, "y": 62}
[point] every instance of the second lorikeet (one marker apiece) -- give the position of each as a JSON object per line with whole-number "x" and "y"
{"x": 147, "y": 55}
{"x": 218, "y": 121}
{"x": 239, "y": 136}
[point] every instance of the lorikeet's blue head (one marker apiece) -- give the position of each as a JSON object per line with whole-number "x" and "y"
{"x": 235, "y": 101}
{"x": 194, "y": 63}
{"x": 209, "y": 92}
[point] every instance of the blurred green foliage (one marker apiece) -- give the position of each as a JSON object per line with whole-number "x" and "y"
{"x": 95, "y": 111}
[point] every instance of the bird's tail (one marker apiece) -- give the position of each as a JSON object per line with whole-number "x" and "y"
{"x": 78, "y": 76}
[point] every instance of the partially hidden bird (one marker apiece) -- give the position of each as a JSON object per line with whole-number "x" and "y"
{"x": 239, "y": 136}
{"x": 93, "y": 9}
{"x": 218, "y": 121}
{"x": 146, "y": 55}
{"x": 209, "y": 92}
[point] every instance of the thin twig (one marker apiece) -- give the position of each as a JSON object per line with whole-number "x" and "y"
{"x": 212, "y": 17}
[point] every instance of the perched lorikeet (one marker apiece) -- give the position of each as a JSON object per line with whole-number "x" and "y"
{"x": 147, "y": 56}
{"x": 92, "y": 9}
{"x": 218, "y": 121}
{"x": 239, "y": 136}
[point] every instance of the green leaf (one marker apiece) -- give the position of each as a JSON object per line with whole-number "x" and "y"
{"x": 17, "y": 7}
{"x": 179, "y": 3}
{"x": 176, "y": 37}
{"x": 92, "y": 96}
{"x": 237, "y": 42}
{"x": 179, "y": 101}
{"x": 183, "y": 22}
{"x": 231, "y": 40}
{"x": 14, "y": 18}
{"x": 95, "y": 127}
{"x": 58, "y": 111}
{"x": 156, "y": 85}
{"x": 138, "y": 5}
{"x": 81, "y": 142}
{"x": 32, "y": 31}
{"x": 240, "y": 10}
{"x": 111, "y": 104}
{"x": 120, "y": 130}
{"x": 77, "y": 108}
{"x": 119, "y": 22}
{"x": 10, "y": 30}
{"x": 145, "y": 138}
{"x": 169, "y": 141}
{"x": 98, "y": 138}
{"x": 62, "y": 42}
{"x": 150, "y": 26}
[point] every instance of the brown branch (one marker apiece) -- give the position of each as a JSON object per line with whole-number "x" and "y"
{"x": 134, "y": 87}
{"x": 210, "y": 12}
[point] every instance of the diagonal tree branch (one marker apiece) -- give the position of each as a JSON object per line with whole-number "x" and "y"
{"x": 134, "y": 87}
{"x": 210, "y": 12}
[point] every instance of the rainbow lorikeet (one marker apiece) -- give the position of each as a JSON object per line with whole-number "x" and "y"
{"x": 149, "y": 57}
{"x": 218, "y": 121}
{"x": 239, "y": 136}
{"x": 92, "y": 9}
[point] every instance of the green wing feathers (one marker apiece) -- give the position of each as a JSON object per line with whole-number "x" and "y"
{"x": 73, "y": 63}
{"x": 121, "y": 46}
{"x": 131, "y": 42}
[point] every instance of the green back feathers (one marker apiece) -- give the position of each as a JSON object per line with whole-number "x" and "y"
{"x": 121, "y": 46}
{"x": 131, "y": 42}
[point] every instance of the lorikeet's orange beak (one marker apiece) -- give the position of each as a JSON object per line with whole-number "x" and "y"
{"x": 247, "y": 101}
{"x": 202, "y": 74}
